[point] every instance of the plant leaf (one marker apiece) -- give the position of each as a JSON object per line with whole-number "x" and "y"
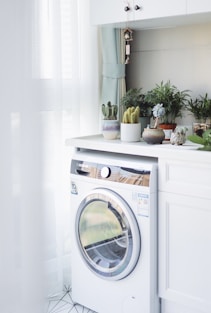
{"x": 196, "y": 139}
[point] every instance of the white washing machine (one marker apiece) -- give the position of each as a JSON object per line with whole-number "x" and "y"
{"x": 114, "y": 232}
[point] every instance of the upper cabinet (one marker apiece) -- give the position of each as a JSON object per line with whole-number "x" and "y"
{"x": 116, "y": 11}
{"x": 163, "y": 8}
{"x": 111, "y": 11}
{"x": 196, "y": 6}
{"x": 149, "y": 13}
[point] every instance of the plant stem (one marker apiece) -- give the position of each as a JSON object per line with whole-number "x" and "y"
{"x": 156, "y": 122}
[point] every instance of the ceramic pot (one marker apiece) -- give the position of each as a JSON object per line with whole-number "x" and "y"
{"x": 177, "y": 138}
{"x": 153, "y": 135}
{"x": 168, "y": 129}
{"x": 110, "y": 129}
{"x": 200, "y": 128}
{"x": 130, "y": 132}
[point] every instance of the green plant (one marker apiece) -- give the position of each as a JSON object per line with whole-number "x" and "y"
{"x": 134, "y": 97}
{"x": 200, "y": 108}
{"x": 205, "y": 140}
{"x": 131, "y": 115}
{"x": 171, "y": 97}
{"x": 109, "y": 111}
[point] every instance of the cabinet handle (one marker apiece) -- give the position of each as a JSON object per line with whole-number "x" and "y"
{"x": 127, "y": 8}
{"x": 137, "y": 7}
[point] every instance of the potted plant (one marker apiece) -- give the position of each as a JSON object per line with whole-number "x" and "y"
{"x": 131, "y": 126}
{"x": 173, "y": 101}
{"x": 110, "y": 125}
{"x": 204, "y": 140}
{"x": 155, "y": 134}
{"x": 201, "y": 110}
{"x": 133, "y": 98}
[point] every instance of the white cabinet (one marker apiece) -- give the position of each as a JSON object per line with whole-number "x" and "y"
{"x": 162, "y": 8}
{"x": 122, "y": 13}
{"x": 185, "y": 235}
{"x": 191, "y": 178}
{"x": 113, "y": 11}
{"x": 196, "y": 6}
{"x": 116, "y": 11}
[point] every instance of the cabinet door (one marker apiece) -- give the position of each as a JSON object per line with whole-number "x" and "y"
{"x": 185, "y": 177}
{"x": 185, "y": 251}
{"x": 113, "y": 11}
{"x": 196, "y": 6}
{"x": 110, "y": 11}
{"x": 162, "y": 8}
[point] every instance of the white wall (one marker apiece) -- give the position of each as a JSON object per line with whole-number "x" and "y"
{"x": 181, "y": 54}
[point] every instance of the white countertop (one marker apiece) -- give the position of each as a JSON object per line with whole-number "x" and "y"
{"x": 188, "y": 151}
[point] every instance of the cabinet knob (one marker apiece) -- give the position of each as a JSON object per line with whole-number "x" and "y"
{"x": 127, "y": 8}
{"x": 137, "y": 7}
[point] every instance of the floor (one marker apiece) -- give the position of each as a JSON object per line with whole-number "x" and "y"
{"x": 63, "y": 304}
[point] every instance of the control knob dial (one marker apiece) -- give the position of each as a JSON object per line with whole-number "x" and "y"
{"x": 105, "y": 172}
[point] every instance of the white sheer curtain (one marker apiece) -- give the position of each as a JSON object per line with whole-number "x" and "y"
{"x": 48, "y": 93}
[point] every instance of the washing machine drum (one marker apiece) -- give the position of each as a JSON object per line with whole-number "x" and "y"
{"x": 107, "y": 234}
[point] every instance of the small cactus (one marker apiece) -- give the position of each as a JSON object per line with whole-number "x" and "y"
{"x": 131, "y": 115}
{"x": 109, "y": 111}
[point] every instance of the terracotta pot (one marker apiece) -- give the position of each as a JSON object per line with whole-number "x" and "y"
{"x": 168, "y": 129}
{"x": 153, "y": 135}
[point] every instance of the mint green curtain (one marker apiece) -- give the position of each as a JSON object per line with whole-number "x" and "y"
{"x": 113, "y": 67}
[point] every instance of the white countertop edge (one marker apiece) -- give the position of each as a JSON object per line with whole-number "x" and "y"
{"x": 165, "y": 150}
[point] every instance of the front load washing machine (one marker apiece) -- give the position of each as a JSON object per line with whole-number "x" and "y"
{"x": 114, "y": 232}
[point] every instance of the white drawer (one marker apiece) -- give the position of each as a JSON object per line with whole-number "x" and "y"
{"x": 185, "y": 177}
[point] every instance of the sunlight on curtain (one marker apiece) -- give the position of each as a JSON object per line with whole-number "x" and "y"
{"x": 48, "y": 93}
{"x": 65, "y": 47}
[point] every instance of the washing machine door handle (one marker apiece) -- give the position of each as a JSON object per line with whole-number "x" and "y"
{"x": 118, "y": 216}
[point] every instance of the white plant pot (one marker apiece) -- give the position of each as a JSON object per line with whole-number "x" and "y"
{"x": 130, "y": 132}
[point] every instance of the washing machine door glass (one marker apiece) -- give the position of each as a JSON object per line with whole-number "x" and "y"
{"x": 108, "y": 235}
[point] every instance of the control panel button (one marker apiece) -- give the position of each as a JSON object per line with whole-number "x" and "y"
{"x": 105, "y": 172}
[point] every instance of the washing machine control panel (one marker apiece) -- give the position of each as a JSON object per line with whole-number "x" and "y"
{"x": 112, "y": 173}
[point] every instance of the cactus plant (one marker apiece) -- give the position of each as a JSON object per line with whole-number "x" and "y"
{"x": 134, "y": 97}
{"x": 131, "y": 115}
{"x": 109, "y": 111}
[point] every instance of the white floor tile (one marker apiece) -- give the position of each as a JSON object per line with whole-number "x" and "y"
{"x": 63, "y": 304}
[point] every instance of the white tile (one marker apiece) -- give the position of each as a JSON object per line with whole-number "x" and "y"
{"x": 63, "y": 304}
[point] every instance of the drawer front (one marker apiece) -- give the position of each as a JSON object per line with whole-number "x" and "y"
{"x": 185, "y": 177}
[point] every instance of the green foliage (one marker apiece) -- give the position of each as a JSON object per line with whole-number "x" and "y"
{"x": 201, "y": 108}
{"x": 205, "y": 140}
{"x": 134, "y": 98}
{"x": 131, "y": 115}
{"x": 109, "y": 111}
{"x": 171, "y": 97}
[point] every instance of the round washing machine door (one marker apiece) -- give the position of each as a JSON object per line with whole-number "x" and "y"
{"x": 108, "y": 235}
